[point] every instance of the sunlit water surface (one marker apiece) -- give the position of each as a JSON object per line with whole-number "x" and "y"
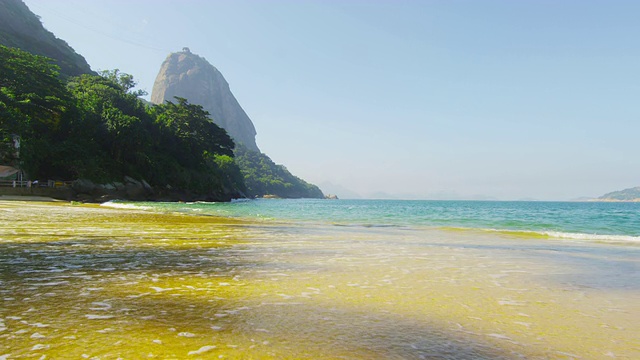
{"x": 99, "y": 283}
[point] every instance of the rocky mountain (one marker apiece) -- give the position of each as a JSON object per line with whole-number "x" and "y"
{"x": 187, "y": 75}
{"x": 631, "y": 194}
{"x": 21, "y": 28}
{"x": 192, "y": 77}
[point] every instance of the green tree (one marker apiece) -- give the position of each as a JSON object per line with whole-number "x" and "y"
{"x": 33, "y": 102}
{"x": 263, "y": 177}
{"x": 113, "y": 124}
{"x": 124, "y": 80}
{"x": 192, "y": 125}
{"x": 192, "y": 146}
{"x": 96, "y": 127}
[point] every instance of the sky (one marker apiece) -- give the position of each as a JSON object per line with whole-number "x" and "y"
{"x": 430, "y": 99}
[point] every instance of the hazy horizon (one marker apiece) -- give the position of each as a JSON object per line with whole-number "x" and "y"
{"x": 496, "y": 100}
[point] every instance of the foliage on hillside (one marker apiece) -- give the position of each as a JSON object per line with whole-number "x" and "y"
{"x": 21, "y": 28}
{"x": 623, "y": 195}
{"x": 94, "y": 127}
{"x": 263, "y": 177}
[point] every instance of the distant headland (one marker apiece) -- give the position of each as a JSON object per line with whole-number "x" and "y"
{"x": 627, "y": 195}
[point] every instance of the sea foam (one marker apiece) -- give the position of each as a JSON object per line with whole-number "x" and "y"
{"x": 117, "y": 205}
{"x": 595, "y": 237}
{"x": 560, "y": 235}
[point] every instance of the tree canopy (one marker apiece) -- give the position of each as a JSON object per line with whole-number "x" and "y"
{"x": 264, "y": 177}
{"x": 96, "y": 127}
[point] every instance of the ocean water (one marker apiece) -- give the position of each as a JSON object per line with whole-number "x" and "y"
{"x": 319, "y": 279}
{"x": 596, "y": 221}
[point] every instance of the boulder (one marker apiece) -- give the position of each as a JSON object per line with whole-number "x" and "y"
{"x": 135, "y": 191}
{"x": 83, "y": 186}
{"x": 146, "y": 186}
{"x": 130, "y": 180}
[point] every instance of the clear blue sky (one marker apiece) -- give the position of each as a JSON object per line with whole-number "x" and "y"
{"x": 425, "y": 99}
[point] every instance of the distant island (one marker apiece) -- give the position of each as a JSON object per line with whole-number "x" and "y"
{"x": 631, "y": 194}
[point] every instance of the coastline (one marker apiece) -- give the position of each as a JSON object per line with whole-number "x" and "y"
{"x": 176, "y": 285}
{"x": 29, "y": 198}
{"x": 85, "y": 191}
{"x": 614, "y": 200}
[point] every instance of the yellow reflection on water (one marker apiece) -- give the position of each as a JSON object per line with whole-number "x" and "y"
{"x": 91, "y": 282}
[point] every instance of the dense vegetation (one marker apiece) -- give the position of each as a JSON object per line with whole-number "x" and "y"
{"x": 95, "y": 127}
{"x": 264, "y": 177}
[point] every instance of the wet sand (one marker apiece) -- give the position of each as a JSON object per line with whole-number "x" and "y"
{"x": 27, "y": 198}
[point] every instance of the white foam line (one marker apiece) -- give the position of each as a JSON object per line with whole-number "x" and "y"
{"x": 579, "y": 236}
{"x": 98, "y": 317}
{"x": 115, "y": 205}
{"x": 572, "y": 236}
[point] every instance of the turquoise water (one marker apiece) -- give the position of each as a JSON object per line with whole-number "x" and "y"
{"x": 573, "y": 220}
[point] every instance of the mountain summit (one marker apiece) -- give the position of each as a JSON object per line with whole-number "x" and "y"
{"x": 186, "y": 75}
{"x": 190, "y": 76}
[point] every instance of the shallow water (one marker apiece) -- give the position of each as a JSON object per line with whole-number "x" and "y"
{"x": 94, "y": 282}
{"x": 602, "y": 221}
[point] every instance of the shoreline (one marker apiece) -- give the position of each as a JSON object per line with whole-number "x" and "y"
{"x": 615, "y": 200}
{"x": 174, "y": 284}
{"x": 30, "y": 198}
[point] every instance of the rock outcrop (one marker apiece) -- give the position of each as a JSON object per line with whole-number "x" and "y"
{"x": 21, "y": 28}
{"x": 184, "y": 74}
{"x": 130, "y": 190}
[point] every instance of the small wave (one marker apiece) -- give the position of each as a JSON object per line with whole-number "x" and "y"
{"x": 596, "y": 237}
{"x": 628, "y": 239}
{"x": 569, "y": 235}
{"x": 117, "y": 205}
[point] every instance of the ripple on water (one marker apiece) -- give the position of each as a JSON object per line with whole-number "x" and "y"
{"x": 98, "y": 317}
{"x": 202, "y": 350}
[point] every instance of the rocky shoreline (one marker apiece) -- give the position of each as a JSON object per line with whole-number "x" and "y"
{"x": 83, "y": 190}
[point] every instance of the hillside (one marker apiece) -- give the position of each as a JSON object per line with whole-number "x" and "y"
{"x": 94, "y": 128}
{"x": 83, "y": 126}
{"x": 631, "y": 194}
{"x": 264, "y": 177}
{"x": 186, "y": 75}
{"x": 192, "y": 77}
{"x": 21, "y": 28}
